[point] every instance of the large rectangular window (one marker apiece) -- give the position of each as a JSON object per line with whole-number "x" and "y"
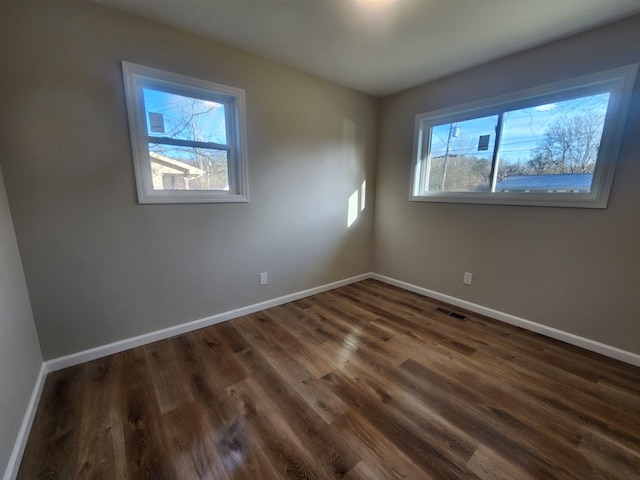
{"x": 187, "y": 137}
{"x": 555, "y": 145}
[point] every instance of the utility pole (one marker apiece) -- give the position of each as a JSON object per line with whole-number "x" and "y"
{"x": 496, "y": 152}
{"x": 453, "y": 132}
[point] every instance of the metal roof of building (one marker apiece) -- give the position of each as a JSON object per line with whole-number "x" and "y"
{"x": 564, "y": 181}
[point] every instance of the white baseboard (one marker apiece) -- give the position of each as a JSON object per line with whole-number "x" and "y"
{"x": 126, "y": 344}
{"x": 87, "y": 355}
{"x": 588, "y": 344}
{"x": 11, "y": 472}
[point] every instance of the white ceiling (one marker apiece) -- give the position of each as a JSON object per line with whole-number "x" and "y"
{"x": 381, "y": 46}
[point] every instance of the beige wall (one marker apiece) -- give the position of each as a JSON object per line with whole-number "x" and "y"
{"x": 577, "y": 270}
{"x": 20, "y": 357}
{"x": 100, "y": 267}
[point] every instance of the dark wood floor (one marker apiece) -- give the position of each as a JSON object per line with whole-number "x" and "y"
{"x": 364, "y": 382}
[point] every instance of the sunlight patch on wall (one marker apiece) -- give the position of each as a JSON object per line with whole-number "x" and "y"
{"x": 356, "y": 203}
{"x": 352, "y": 208}
{"x": 353, "y": 161}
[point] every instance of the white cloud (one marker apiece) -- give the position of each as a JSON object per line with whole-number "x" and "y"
{"x": 545, "y": 108}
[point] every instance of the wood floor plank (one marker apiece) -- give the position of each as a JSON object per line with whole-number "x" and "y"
{"x": 401, "y": 431}
{"x": 608, "y": 460}
{"x": 146, "y": 449}
{"x": 207, "y": 389}
{"x": 488, "y": 464}
{"x": 386, "y": 311}
{"x": 218, "y": 357}
{"x": 357, "y": 328}
{"x": 295, "y": 362}
{"x": 282, "y": 446}
{"x": 303, "y": 354}
{"x": 336, "y": 456}
{"x": 366, "y": 381}
{"x": 495, "y": 427}
{"x": 101, "y": 451}
{"x": 579, "y": 408}
{"x": 326, "y": 404}
{"x": 322, "y": 400}
{"x": 55, "y": 434}
{"x": 297, "y": 323}
{"x": 195, "y": 453}
{"x": 382, "y": 457}
{"x": 482, "y": 386}
{"x": 232, "y": 338}
{"x": 167, "y": 379}
{"x": 443, "y": 436}
{"x": 591, "y": 365}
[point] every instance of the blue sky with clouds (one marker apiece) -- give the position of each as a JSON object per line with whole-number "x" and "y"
{"x": 522, "y": 132}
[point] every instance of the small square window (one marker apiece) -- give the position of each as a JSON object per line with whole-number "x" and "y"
{"x": 187, "y": 136}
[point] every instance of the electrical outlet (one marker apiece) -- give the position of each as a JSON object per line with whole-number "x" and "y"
{"x": 263, "y": 278}
{"x": 468, "y": 278}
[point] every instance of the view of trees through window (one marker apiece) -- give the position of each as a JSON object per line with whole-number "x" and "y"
{"x": 187, "y": 140}
{"x": 542, "y": 141}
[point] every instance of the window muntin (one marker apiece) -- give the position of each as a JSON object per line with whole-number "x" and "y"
{"x": 555, "y": 145}
{"x": 187, "y": 137}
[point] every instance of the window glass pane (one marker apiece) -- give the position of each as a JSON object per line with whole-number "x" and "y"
{"x": 552, "y": 147}
{"x": 461, "y": 155}
{"x": 188, "y": 168}
{"x": 184, "y": 118}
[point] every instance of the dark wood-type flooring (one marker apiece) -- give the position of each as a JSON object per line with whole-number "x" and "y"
{"x": 364, "y": 382}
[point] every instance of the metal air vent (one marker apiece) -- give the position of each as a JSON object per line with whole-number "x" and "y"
{"x": 457, "y": 315}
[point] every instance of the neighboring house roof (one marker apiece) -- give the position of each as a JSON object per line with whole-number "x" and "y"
{"x": 565, "y": 181}
{"x": 177, "y": 165}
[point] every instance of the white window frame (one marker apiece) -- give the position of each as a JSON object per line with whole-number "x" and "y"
{"x": 136, "y": 77}
{"x": 619, "y": 82}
